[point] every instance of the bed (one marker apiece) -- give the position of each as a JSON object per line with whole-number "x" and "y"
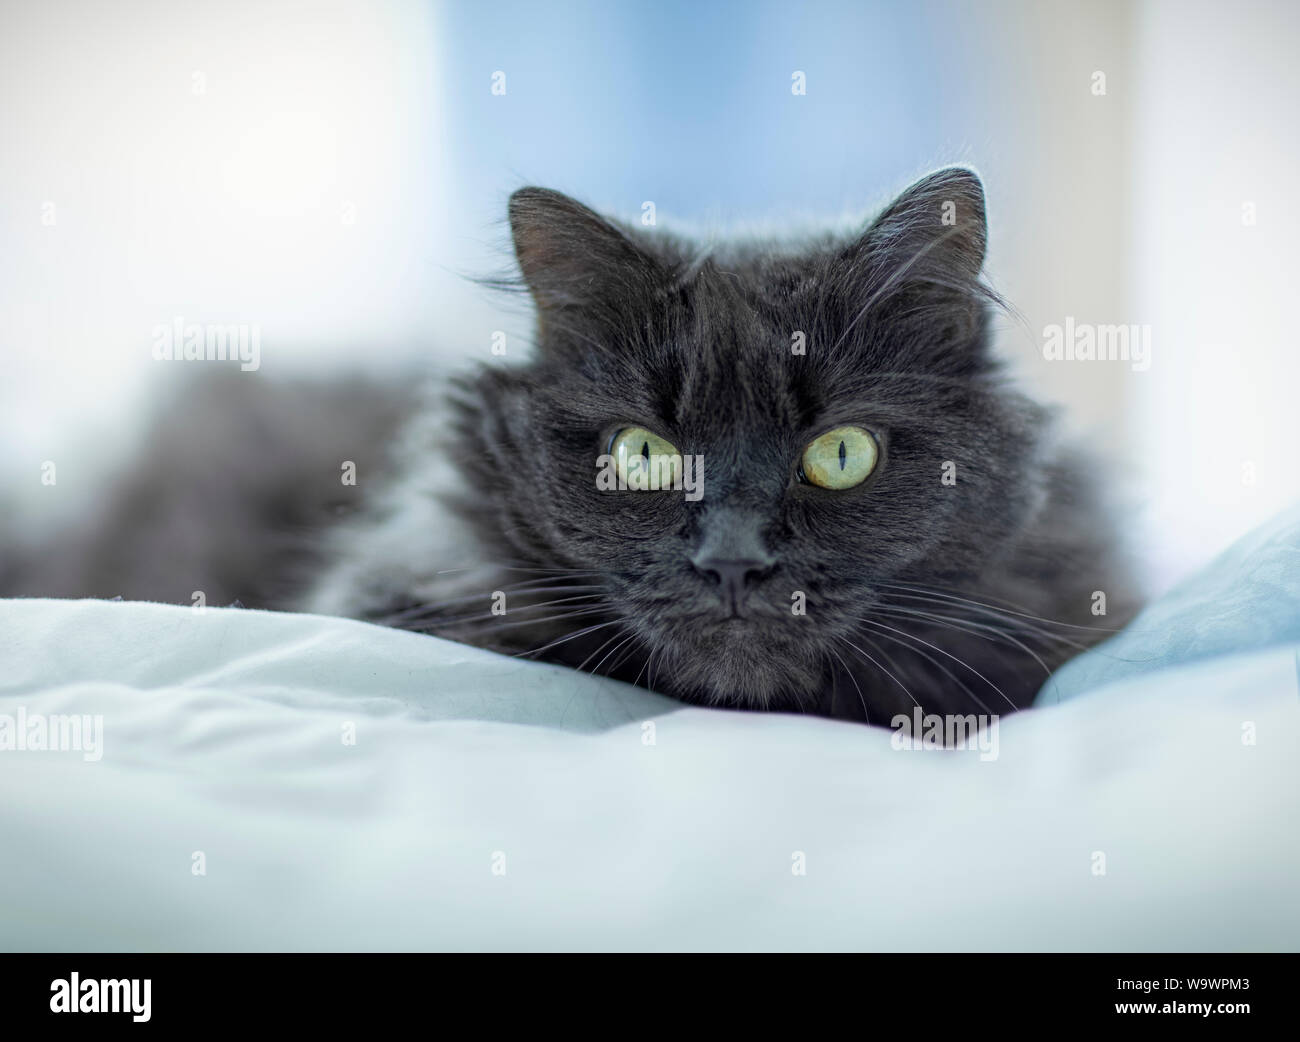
{"x": 290, "y": 782}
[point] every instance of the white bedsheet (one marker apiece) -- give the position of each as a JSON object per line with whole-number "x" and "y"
{"x": 223, "y": 735}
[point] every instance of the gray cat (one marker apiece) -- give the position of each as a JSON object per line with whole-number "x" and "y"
{"x": 773, "y": 477}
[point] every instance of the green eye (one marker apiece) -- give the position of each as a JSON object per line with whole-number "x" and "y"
{"x": 840, "y": 458}
{"x": 645, "y": 461}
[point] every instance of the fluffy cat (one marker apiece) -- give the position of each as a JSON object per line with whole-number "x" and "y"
{"x": 881, "y": 520}
{"x": 954, "y": 576}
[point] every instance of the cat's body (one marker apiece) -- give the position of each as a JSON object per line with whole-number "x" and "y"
{"x": 954, "y": 576}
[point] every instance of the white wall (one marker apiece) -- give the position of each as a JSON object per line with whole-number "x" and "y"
{"x": 199, "y": 158}
{"x": 1216, "y": 95}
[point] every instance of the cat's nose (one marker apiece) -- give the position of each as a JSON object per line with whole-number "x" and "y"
{"x": 734, "y": 577}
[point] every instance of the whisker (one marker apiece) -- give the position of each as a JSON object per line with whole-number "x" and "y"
{"x": 936, "y": 592}
{"x": 881, "y": 668}
{"x": 488, "y": 616}
{"x": 598, "y": 651}
{"x": 1029, "y": 629}
{"x": 941, "y": 667}
{"x": 595, "y": 670}
{"x": 431, "y": 608}
{"x": 967, "y": 665}
{"x": 494, "y": 567}
{"x": 571, "y": 636}
{"x": 629, "y": 648}
{"x": 881, "y": 652}
{"x": 654, "y": 650}
{"x": 507, "y": 623}
{"x": 574, "y": 695}
{"x": 849, "y": 673}
{"x": 975, "y": 629}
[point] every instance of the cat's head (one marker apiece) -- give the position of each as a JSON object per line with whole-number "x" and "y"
{"x": 841, "y": 398}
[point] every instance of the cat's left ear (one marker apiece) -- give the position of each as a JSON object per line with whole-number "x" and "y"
{"x": 938, "y": 224}
{"x": 916, "y": 271}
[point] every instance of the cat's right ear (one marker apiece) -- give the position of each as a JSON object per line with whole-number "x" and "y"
{"x": 571, "y": 257}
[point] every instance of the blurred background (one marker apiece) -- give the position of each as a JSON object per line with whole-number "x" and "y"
{"x": 330, "y": 172}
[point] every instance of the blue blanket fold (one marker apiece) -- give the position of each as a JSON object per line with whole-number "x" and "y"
{"x": 1247, "y": 599}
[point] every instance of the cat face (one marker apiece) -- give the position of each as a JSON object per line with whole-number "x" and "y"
{"x": 848, "y": 422}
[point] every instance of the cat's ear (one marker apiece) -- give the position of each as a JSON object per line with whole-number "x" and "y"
{"x": 570, "y": 256}
{"x": 937, "y": 224}
{"x": 914, "y": 274}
